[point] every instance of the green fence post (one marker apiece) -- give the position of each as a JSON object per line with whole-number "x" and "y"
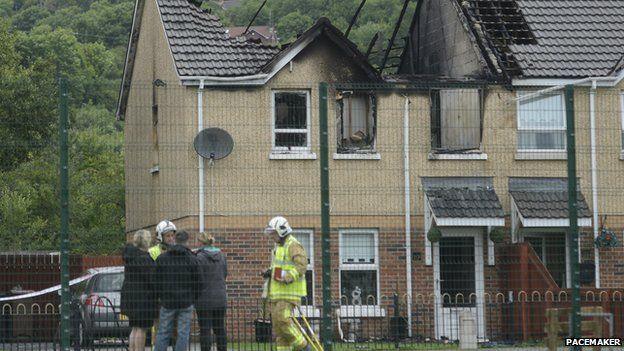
{"x": 64, "y": 199}
{"x": 573, "y": 215}
{"x": 326, "y": 326}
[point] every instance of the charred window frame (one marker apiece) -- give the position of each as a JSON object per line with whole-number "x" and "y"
{"x": 449, "y": 135}
{"x": 356, "y": 122}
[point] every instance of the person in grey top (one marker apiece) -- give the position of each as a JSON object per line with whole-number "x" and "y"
{"x": 211, "y": 305}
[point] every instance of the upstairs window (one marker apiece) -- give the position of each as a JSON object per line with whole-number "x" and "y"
{"x": 456, "y": 120}
{"x": 291, "y": 120}
{"x": 357, "y": 115}
{"x": 542, "y": 123}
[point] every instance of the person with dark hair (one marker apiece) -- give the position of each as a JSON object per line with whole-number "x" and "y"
{"x": 212, "y": 303}
{"x": 178, "y": 284}
{"x": 138, "y": 302}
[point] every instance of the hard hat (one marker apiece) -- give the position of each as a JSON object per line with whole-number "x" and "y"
{"x": 163, "y": 227}
{"x": 280, "y": 225}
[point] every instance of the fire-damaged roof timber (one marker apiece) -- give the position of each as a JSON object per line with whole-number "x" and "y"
{"x": 526, "y": 39}
{"x": 549, "y": 39}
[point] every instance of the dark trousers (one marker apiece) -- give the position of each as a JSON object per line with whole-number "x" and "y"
{"x": 212, "y": 320}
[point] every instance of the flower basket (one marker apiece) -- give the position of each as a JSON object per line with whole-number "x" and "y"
{"x": 434, "y": 234}
{"x": 498, "y": 235}
{"x": 606, "y": 238}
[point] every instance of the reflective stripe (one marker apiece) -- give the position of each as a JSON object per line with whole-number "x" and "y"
{"x": 281, "y": 259}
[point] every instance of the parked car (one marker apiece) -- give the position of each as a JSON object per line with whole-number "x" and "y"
{"x": 100, "y": 299}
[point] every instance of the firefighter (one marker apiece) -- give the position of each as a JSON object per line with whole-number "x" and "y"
{"x": 164, "y": 230}
{"x": 287, "y": 285}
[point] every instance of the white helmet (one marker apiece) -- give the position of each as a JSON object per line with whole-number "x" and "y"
{"x": 280, "y": 225}
{"x": 164, "y": 227}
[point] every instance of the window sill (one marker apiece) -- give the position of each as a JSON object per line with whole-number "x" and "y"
{"x": 474, "y": 156}
{"x": 358, "y": 156}
{"x": 541, "y": 155}
{"x": 309, "y": 311}
{"x": 292, "y": 156}
{"x": 361, "y": 311}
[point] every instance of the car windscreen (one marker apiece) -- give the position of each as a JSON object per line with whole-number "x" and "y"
{"x": 109, "y": 282}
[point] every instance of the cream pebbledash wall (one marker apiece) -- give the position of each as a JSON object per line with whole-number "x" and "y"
{"x": 247, "y": 187}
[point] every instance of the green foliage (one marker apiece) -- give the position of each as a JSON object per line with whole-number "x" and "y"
{"x": 27, "y": 19}
{"x": 290, "y": 16}
{"x": 434, "y": 234}
{"x": 29, "y": 193}
{"x": 83, "y": 41}
{"x": 294, "y": 23}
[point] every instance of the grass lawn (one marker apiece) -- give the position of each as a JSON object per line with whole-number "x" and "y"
{"x": 364, "y": 346}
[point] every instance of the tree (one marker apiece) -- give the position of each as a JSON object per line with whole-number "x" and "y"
{"x": 25, "y": 20}
{"x": 293, "y": 24}
{"x": 29, "y": 193}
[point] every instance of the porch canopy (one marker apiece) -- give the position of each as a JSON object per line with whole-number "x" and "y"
{"x": 543, "y": 202}
{"x": 462, "y": 201}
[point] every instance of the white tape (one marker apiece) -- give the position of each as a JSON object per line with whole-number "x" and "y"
{"x": 46, "y": 291}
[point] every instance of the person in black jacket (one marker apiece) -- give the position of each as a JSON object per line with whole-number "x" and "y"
{"x": 137, "y": 296}
{"x": 178, "y": 284}
{"x": 212, "y": 303}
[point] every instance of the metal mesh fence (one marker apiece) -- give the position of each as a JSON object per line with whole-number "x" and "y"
{"x": 448, "y": 217}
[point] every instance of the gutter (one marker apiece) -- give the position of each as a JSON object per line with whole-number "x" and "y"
{"x": 214, "y": 80}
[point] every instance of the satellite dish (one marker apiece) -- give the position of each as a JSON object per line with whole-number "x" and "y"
{"x": 213, "y": 143}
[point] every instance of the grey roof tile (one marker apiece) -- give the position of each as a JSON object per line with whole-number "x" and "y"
{"x": 551, "y": 204}
{"x": 566, "y": 39}
{"x": 464, "y": 203}
{"x": 201, "y": 46}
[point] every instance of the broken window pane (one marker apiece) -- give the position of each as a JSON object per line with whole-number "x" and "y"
{"x": 291, "y": 110}
{"x": 356, "y": 122}
{"x": 456, "y": 119}
{"x": 541, "y": 122}
{"x": 359, "y": 287}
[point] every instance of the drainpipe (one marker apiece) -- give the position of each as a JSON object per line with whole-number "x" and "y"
{"x": 594, "y": 175}
{"x": 408, "y": 223}
{"x": 200, "y": 160}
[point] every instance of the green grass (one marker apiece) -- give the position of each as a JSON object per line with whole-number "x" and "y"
{"x": 362, "y": 346}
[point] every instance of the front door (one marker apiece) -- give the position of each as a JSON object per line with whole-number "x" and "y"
{"x": 459, "y": 280}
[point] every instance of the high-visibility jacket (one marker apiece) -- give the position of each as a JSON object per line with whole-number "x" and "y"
{"x": 155, "y": 251}
{"x": 283, "y": 258}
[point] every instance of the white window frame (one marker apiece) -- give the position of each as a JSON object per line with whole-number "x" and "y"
{"x": 310, "y": 266}
{"x": 364, "y": 310}
{"x": 519, "y": 94}
{"x": 296, "y": 149}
